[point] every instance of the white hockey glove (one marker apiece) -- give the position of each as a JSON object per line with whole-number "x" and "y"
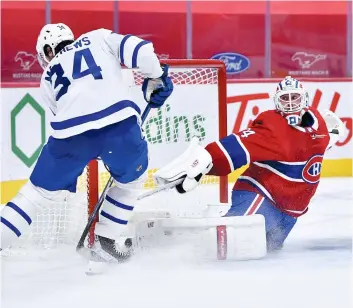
{"x": 157, "y": 90}
{"x": 192, "y": 165}
{"x": 334, "y": 126}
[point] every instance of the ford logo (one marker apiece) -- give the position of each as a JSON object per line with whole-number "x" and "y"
{"x": 235, "y": 62}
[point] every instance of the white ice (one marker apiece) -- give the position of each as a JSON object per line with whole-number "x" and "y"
{"x": 312, "y": 271}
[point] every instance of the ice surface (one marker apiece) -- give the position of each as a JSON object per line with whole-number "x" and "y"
{"x": 312, "y": 271}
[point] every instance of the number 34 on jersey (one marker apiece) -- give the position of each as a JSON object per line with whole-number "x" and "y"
{"x": 246, "y": 133}
{"x": 82, "y": 58}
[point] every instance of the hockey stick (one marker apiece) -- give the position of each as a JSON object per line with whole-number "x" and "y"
{"x": 81, "y": 242}
{"x": 161, "y": 188}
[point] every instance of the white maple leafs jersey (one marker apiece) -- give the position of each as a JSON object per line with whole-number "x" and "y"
{"x": 83, "y": 84}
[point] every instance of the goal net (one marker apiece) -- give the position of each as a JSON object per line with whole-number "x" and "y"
{"x": 197, "y": 107}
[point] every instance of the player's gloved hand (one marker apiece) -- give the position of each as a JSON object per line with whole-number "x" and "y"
{"x": 333, "y": 122}
{"x": 190, "y": 166}
{"x": 334, "y": 126}
{"x": 157, "y": 90}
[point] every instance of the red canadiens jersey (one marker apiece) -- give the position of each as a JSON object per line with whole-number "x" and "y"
{"x": 284, "y": 161}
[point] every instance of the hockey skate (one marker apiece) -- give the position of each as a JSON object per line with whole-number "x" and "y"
{"x": 107, "y": 251}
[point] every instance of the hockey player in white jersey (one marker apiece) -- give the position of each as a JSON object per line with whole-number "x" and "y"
{"x": 94, "y": 116}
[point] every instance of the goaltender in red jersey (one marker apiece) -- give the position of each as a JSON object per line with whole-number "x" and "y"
{"x": 284, "y": 149}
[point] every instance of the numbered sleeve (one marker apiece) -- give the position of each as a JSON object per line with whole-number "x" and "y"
{"x": 134, "y": 52}
{"x": 257, "y": 143}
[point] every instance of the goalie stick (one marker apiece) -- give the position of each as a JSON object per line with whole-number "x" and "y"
{"x": 92, "y": 217}
{"x": 161, "y": 188}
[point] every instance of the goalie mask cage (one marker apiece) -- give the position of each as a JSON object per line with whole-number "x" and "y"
{"x": 197, "y": 107}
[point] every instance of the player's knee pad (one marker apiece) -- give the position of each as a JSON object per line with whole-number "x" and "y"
{"x": 117, "y": 209}
{"x": 19, "y": 213}
{"x": 235, "y": 238}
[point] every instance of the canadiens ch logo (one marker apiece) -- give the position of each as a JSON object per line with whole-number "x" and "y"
{"x": 312, "y": 169}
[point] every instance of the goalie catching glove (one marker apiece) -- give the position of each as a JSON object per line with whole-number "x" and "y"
{"x": 191, "y": 166}
{"x": 334, "y": 126}
{"x": 157, "y": 90}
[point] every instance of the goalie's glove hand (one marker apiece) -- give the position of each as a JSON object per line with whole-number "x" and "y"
{"x": 335, "y": 127}
{"x": 190, "y": 166}
{"x": 157, "y": 90}
{"x": 333, "y": 123}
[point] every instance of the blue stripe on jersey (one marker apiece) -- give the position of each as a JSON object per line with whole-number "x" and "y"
{"x": 135, "y": 53}
{"x": 291, "y": 171}
{"x": 112, "y": 218}
{"x": 122, "y": 46}
{"x": 10, "y": 226}
{"x": 235, "y": 151}
{"x": 20, "y": 211}
{"x": 94, "y": 116}
{"x": 118, "y": 204}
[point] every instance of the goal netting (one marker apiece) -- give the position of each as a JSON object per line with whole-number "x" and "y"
{"x": 197, "y": 107}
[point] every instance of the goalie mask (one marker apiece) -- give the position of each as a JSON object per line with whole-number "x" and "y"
{"x": 48, "y": 40}
{"x": 291, "y": 100}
